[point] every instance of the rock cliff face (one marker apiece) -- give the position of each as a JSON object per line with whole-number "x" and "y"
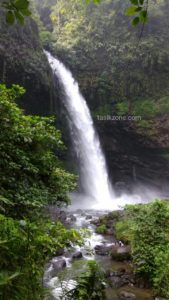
{"x": 23, "y": 62}
{"x": 134, "y": 158}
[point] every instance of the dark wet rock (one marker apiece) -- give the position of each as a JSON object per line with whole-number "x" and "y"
{"x": 77, "y": 255}
{"x": 56, "y": 214}
{"x": 103, "y": 249}
{"x": 122, "y": 270}
{"x": 89, "y": 217}
{"x": 60, "y": 252}
{"x": 117, "y": 281}
{"x": 118, "y": 272}
{"x": 142, "y": 283}
{"x": 130, "y": 153}
{"x": 72, "y": 218}
{"x": 120, "y": 253}
{"x": 83, "y": 214}
{"x": 120, "y": 278}
{"x": 58, "y": 264}
{"x": 127, "y": 295}
{"x": 62, "y": 216}
{"x": 95, "y": 222}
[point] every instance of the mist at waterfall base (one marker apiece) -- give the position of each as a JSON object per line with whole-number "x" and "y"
{"x": 97, "y": 190}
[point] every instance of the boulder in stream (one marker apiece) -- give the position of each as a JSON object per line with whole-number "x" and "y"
{"x": 77, "y": 255}
{"x": 127, "y": 295}
{"x": 62, "y": 216}
{"x": 58, "y": 264}
{"x": 89, "y": 217}
{"x": 73, "y": 218}
{"x": 103, "y": 249}
{"x": 120, "y": 278}
{"x": 118, "y": 281}
{"x": 120, "y": 253}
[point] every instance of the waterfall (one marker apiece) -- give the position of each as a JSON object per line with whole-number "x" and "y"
{"x": 92, "y": 171}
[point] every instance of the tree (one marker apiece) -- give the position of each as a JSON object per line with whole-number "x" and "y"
{"x": 31, "y": 176}
{"x": 31, "y": 173}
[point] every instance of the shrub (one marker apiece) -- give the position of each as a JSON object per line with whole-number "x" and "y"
{"x": 122, "y": 108}
{"x": 101, "y": 229}
{"x": 147, "y": 229}
{"x": 31, "y": 174}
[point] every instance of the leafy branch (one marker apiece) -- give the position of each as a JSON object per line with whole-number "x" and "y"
{"x": 139, "y": 9}
{"x": 16, "y": 10}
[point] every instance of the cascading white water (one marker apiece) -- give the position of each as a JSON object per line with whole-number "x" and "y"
{"x": 93, "y": 171}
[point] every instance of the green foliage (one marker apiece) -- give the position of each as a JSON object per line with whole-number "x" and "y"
{"x": 94, "y": 1}
{"x": 46, "y": 38}
{"x": 101, "y": 229}
{"x": 16, "y": 10}
{"x": 161, "y": 274}
{"x": 90, "y": 285}
{"x": 122, "y": 108}
{"x": 163, "y": 105}
{"x": 146, "y": 108}
{"x": 31, "y": 173}
{"x": 145, "y": 227}
{"x": 31, "y": 177}
{"x": 25, "y": 247}
{"x": 140, "y": 9}
{"x": 122, "y": 231}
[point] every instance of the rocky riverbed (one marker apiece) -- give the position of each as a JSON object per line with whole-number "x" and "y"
{"x": 111, "y": 254}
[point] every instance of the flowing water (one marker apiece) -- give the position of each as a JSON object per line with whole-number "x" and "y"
{"x": 92, "y": 166}
{"x": 61, "y": 281}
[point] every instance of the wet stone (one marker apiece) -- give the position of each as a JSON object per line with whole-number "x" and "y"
{"x": 77, "y": 255}
{"x": 58, "y": 264}
{"x": 120, "y": 253}
{"x": 88, "y": 217}
{"x": 102, "y": 249}
{"x": 127, "y": 295}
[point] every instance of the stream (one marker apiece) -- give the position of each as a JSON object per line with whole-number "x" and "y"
{"x": 62, "y": 271}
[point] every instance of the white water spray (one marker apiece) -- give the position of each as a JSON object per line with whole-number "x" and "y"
{"x": 93, "y": 170}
